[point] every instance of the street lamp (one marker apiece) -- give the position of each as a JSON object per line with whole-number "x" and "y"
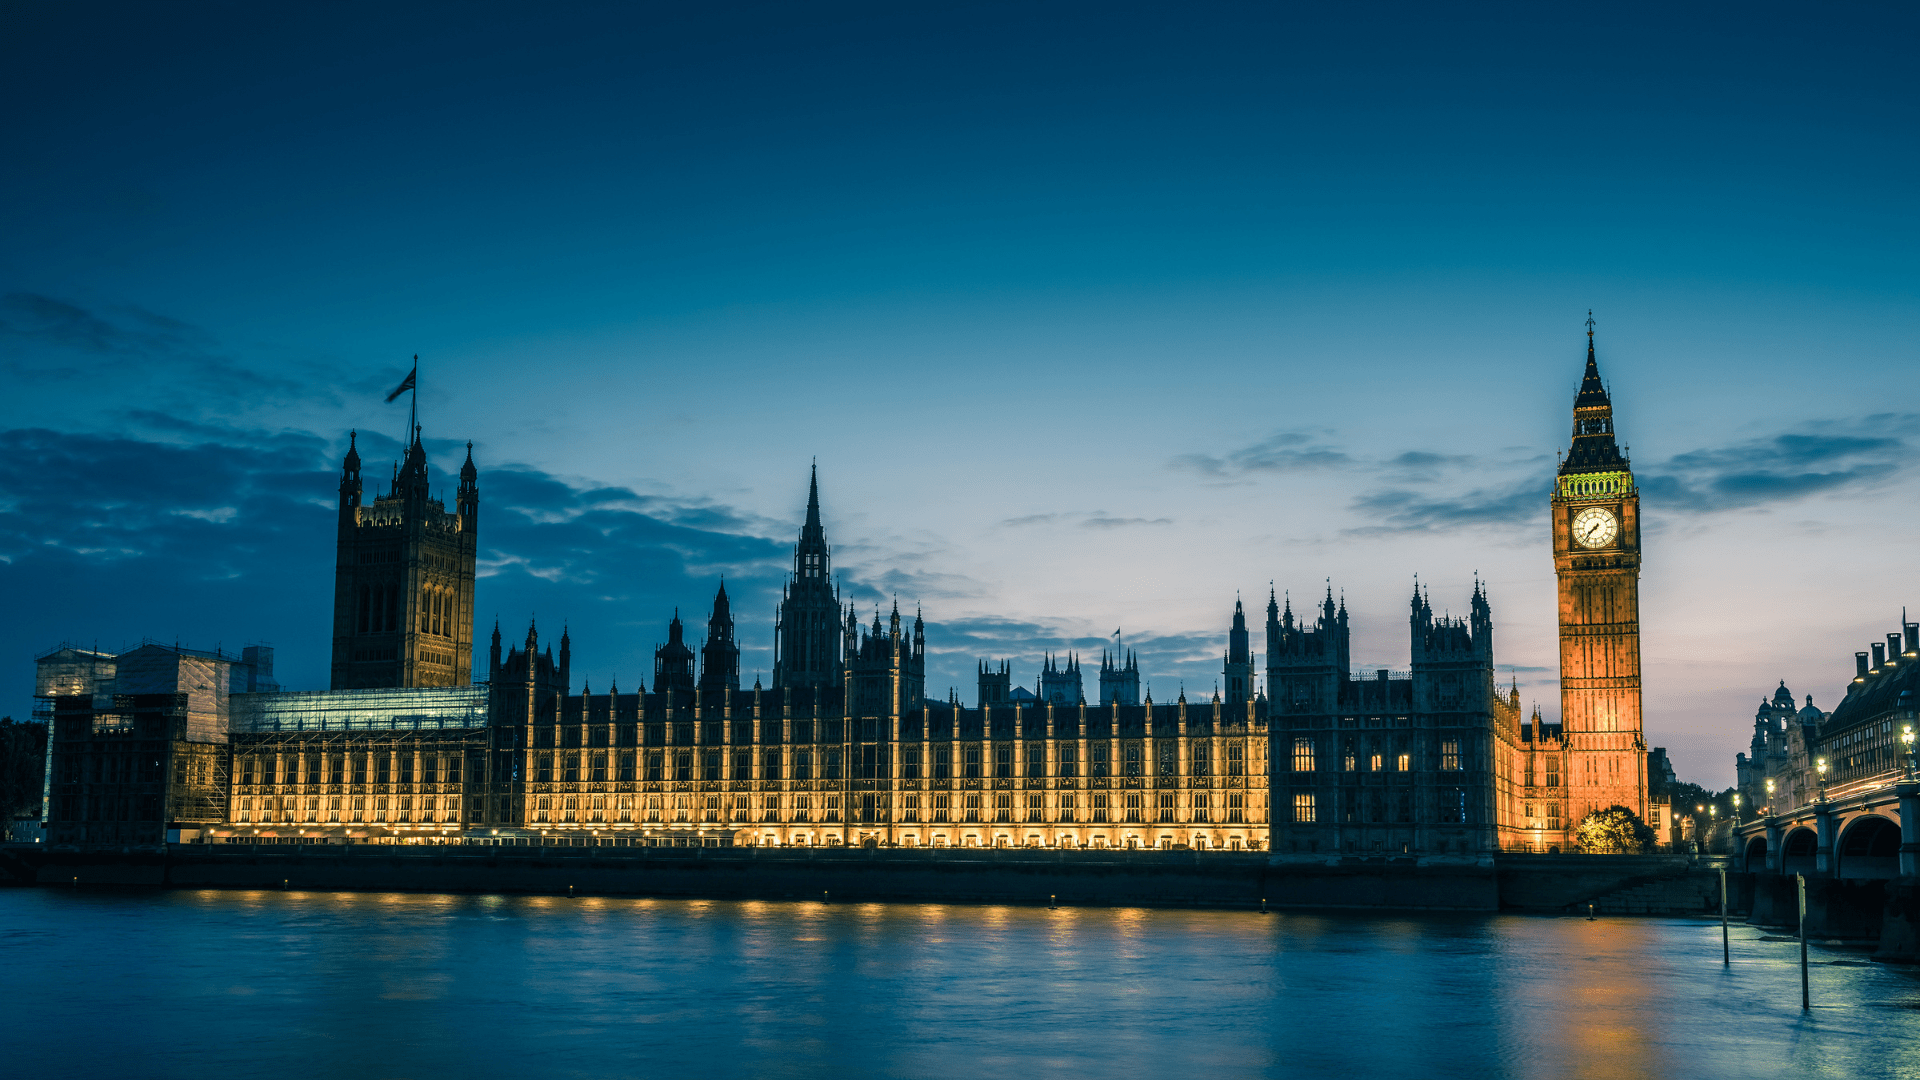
{"x": 1736, "y": 808}
{"x": 1820, "y": 766}
{"x": 1769, "y": 794}
{"x": 1906, "y": 707}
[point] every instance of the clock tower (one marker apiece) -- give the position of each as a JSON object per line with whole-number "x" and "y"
{"x": 1596, "y": 557}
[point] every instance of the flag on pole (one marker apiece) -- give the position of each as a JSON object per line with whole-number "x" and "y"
{"x": 406, "y": 384}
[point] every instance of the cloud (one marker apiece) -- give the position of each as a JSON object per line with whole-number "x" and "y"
{"x": 230, "y": 539}
{"x": 152, "y": 359}
{"x": 1096, "y": 519}
{"x": 1403, "y": 510}
{"x": 1283, "y": 451}
{"x": 1823, "y": 457}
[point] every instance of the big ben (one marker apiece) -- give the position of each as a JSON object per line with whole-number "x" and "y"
{"x": 1596, "y": 557}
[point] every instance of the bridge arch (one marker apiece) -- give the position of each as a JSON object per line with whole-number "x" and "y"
{"x": 1756, "y": 855}
{"x": 1798, "y": 851}
{"x": 1869, "y": 848}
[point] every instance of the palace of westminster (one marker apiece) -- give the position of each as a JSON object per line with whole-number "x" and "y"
{"x": 409, "y": 745}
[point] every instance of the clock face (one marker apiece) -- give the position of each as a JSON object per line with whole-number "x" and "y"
{"x": 1595, "y": 527}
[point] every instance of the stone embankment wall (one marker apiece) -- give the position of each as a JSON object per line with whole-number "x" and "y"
{"x": 1539, "y": 884}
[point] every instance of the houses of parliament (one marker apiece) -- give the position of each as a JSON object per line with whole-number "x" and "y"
{"x": 1313, "y": 761}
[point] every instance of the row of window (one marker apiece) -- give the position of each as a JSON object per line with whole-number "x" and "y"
{"x": 378, "y": 809}
{"x": 714, "y": 808}
{"x": 875, "y": 763}
{"x": 348, "y": 768}
{"x": 1450, "y": 808}
{"x": 1378, "y": 758}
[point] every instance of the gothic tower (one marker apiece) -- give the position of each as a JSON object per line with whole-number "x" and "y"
{"x": 1239, "y": 662}
{"x": 673, "y": 662}
{"x": 720, "y": 656}
{"x": 1596, "y": 556}
{"x": 403, "y": 579}
{"x": 1060, "y": 684}
{"x": 1119, "y": 678}
{"x": 806, "y": 628}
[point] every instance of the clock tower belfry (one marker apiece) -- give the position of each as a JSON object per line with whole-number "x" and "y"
{"x": 1596, "y": 557}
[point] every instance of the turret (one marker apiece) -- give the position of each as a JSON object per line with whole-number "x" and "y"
{"x": 566, "y": 661}
{"x": 350, "y": 478}
{"x": 493, "y": 654}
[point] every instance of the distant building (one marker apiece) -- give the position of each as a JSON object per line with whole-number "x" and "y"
{"x": 1824, "y": 793}
{"x": 1119, "y": 678}
{"x": 1060, "y": 684}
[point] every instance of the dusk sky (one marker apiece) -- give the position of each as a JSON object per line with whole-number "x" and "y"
{"x": 1092, "y": 315}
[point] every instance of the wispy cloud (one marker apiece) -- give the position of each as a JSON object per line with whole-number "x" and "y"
{"x": 1820, "y": 458}
{"x": 1283, "y": 451}
{"x": 1094, "y": 519}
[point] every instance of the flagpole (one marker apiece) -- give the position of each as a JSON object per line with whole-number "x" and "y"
{"x": 413, "y": 407}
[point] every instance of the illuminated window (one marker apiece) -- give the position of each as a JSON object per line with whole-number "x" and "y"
{"x": 940, "y": 807}
{"x": 1553, "y": 770}
{"x": 625, "y": 808}
{"x": 1347, "y": 760}
{"x": 1133, "y": 806}
{"x": 1133, "y": 759}
{"x": 313, "y": 809}
{"x": 833, "y": 808}
{"x": 405, "y": 812}
{"x": 711, "y": 811}
{"x": 972, "y": 807}
{"x": 1450, "y": 754}
{"x": 1067, "y": 801}
{"x": 1201, "y": 760}
{"x": 1202, "y": 806}
{"x": 1237, "y": 806}
{"x": 245, "y": 811}
{"x": 599, "y": 809}
{"x": 770, "y": 808}
{"x": 1237, "y": 758}
{"x": 1303, "y": 807}
{"x": 972, "y": 763}
{"x": 1166, "y": 806}
{"x": 380, "y": 808}
{"x": 1003, "y": 806}
{"x": 1101, "y": 810}
{"x": 1403, "y": 763}
{"x": 359, "y": 808}
{"x": 1375, "y": 763}
{"x": 910, "y": 808}
{"x": 1553, "y": 816}
{"x": 1036, "y": 807}
{"x": 543, "y": 810}
{"x": 1169, "y": 758}
{"x": 680, "y": 808}
{"x": 653, "y": 808}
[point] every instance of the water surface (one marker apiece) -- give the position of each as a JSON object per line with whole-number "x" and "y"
{"x": 212, "y": 985}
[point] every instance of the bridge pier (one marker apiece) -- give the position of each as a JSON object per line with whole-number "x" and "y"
{"x": 1773, "y": 844}
{"x": 1823, "y": 838}
{"x": 1909, "y": 794}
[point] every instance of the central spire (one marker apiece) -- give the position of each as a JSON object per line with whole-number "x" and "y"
{"x": 1594, "y": 448}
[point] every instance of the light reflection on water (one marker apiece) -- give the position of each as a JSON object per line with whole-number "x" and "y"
{"x": 231, "y": 984}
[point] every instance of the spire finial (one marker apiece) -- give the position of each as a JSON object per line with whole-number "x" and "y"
{"x": 1589, "y": 327}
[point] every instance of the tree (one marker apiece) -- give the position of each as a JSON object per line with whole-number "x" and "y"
{"x": 1615, "y": 831}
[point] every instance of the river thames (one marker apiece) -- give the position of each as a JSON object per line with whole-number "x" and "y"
{"x": 244, "y": 984}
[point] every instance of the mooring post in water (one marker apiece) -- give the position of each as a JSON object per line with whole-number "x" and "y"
{"x": 1806, "y": 1000}
{"x": 823, "y": 897}
{"x": 1727, "y": 950}
{"x": 1589, "y": 912}
{"x": 1053, "y": 901}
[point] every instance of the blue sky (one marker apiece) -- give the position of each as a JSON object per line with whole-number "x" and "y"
{"x": 1093, "y": 315}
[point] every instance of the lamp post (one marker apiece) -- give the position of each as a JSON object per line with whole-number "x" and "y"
{"x": 1769, "y": 794}
{"x": 1713, "y": 822}
{"x": 1820, "y": 766}
{"x": 1736, "y": 809}
{"x": 1905, "y": 706}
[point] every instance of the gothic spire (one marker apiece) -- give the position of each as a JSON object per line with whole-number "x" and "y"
{"x": 1594, "y": 448}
